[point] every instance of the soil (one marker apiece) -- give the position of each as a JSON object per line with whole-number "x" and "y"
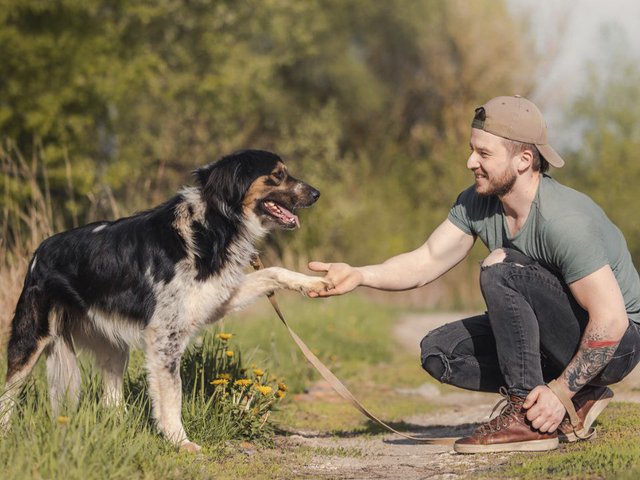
{"x": 390, "y": 456}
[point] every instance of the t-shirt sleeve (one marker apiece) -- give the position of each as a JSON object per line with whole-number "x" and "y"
{"x": 576, "y": 247}
{"x": 459, "y": 214}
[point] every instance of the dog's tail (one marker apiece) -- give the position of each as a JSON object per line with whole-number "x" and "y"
{"x": 30, "y": 335}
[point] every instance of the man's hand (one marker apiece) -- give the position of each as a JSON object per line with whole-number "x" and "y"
{"x": 342, "y": 276}
{"x": 544, "y": 410}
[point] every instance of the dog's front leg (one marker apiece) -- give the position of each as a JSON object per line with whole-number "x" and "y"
{"x": 268, "y": 280}
{"x": 165, "y": 386}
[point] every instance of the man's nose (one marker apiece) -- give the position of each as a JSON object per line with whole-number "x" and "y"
{"x": 472, "y": 161}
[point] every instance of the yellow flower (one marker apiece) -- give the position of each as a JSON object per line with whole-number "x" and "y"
{"x": 62, "y": 420}
{"x": 225, "y": 336}
{"x": 280, "y": 394}
{"x": 264, "y": 389}
{"x": 243, "y": 382}
{"x": 229, "y": 353}
{"x": 219, "y": 381}
{"x": 224, "y": 376}
{"x": 282, "y": 387}
{"x": 257, "y": 372}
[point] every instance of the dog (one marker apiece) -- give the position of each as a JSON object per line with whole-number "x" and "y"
{"x": 152, "y": 281}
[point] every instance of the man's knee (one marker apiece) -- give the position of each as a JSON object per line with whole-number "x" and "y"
{"x": 433, "y": 359}
{"x": 496, "y": 256}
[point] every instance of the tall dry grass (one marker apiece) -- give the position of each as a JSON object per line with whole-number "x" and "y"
{"x": 23, "y": 224}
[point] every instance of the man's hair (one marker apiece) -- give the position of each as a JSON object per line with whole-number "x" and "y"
{"x": 514, "y": 147}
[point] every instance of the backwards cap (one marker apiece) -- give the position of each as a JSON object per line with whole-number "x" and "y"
{"x": 516, "y": 118}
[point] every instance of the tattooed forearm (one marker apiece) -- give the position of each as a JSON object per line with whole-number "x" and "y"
{"x": 592, "y": 356}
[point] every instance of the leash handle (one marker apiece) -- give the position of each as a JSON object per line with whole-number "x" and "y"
{"x": 578, "y": 429}
{"x": 334, "y": 381}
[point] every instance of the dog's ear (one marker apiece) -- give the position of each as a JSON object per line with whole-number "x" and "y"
{"x": 219, "y": 187}
{"x": 224, "y": 183}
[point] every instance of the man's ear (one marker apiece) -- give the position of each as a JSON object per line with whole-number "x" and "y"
{"x": 526, "y": 160}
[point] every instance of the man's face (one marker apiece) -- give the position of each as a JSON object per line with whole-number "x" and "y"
{"x": 491, "y": 163}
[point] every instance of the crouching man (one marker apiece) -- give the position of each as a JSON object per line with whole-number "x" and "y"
{"x": 562, "y": 294}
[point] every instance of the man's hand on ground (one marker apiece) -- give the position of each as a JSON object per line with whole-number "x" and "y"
{"x": 544, "y": 410}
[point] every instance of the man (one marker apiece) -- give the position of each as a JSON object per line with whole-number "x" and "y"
{"x": 562, "y": 294}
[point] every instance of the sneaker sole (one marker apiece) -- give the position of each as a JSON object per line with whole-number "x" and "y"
{"x": 528, "y": 446}
{"x": 586, "y": 433}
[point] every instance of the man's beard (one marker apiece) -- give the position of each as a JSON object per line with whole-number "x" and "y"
{"x": 501, "y": 186}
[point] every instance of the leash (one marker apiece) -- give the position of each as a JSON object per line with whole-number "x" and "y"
{"x": 576, "y": 423}
{"x": 335, "y": 383}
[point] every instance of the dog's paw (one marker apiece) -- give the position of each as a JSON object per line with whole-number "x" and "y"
{"x": 190, "y": 447}
{"x": 314, "y": 285}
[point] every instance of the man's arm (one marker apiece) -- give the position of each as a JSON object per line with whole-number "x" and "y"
{"x": 599, "y": 294}
{"x": 444, "y": 249}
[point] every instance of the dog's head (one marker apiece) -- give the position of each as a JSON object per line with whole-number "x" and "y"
{"x": 255, "y": 183}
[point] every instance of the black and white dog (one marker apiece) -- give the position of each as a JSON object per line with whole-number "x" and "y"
{"x": 153, "y": 280}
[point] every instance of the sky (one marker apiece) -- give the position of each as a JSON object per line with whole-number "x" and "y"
{"x": 570, "y": 36}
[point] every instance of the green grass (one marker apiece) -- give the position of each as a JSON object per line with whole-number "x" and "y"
{"x": 615, "y": 453}
{"x": 354, "y": 339}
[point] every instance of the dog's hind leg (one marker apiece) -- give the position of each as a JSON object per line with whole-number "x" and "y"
{"x": 269, "y": 280}
{"x": 63, "y": 374}
{"x": 112, "y": 360}
{"x": 30, "y": 336}
{"x": 163, "y": 351}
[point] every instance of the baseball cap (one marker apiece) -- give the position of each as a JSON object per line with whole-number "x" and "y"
{"x": 516, "y": 118}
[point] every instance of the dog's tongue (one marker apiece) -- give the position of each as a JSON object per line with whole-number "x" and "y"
{"x": 283, "y": 214}
{"x": 289, "y": 217}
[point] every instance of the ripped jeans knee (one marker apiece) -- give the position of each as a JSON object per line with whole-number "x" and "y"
{"x": 434, "y": 361}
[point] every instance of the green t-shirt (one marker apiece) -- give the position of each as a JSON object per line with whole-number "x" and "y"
{"x": 565, "y": 232}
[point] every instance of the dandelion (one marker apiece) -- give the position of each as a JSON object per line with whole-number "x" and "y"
{"x": 225, "y": 336}
{"x": 224, "y": 376}
{"x": 282, "y": 387}
{"x": 258, "y": 373}
{"x": 229, "y": 353}
{"x": 264, "y": 389}
{"x": 219, "y": 381}
{"x": 281, "y": 394}
{"x": 62, "y": 420}
{"x": 243, "y": 382}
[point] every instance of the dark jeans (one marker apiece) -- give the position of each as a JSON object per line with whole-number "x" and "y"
{"x": 531, "y": 331}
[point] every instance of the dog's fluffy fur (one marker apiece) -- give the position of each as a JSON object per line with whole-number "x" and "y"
{"x": 153, "y": 280}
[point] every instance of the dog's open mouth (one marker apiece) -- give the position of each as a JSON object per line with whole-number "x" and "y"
{"x": 282, "y": 215}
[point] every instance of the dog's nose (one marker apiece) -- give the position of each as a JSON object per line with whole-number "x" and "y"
{"x": 315, "y": 194}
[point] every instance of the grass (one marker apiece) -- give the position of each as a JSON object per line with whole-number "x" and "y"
{"x": 615, "y": 453}
{"x": 354, "y": 339}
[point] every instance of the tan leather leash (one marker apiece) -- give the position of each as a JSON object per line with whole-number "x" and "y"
{"x": 335, "y": 383}
{"x": 576, "y": 423}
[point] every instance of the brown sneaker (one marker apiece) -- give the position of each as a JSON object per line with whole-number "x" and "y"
{"x": 589, "y": 403}
{"x": 509, "y": 431}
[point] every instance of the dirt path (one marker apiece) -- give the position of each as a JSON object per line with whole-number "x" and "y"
{"x": 392, "y": 457}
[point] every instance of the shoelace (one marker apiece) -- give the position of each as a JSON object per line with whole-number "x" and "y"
{"x": 509, "y": 408}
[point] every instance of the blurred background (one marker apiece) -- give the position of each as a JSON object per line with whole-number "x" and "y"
{"x": 106, "y": 107}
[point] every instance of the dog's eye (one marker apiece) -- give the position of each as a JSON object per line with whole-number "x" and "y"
{"x": 279, "y": 175}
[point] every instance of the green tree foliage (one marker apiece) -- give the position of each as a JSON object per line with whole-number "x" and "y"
{"x": 369, "y": 101}
{"x": 605, "y": 164}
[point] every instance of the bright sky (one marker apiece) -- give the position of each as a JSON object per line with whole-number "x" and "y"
{"x": 572, "y": 34}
